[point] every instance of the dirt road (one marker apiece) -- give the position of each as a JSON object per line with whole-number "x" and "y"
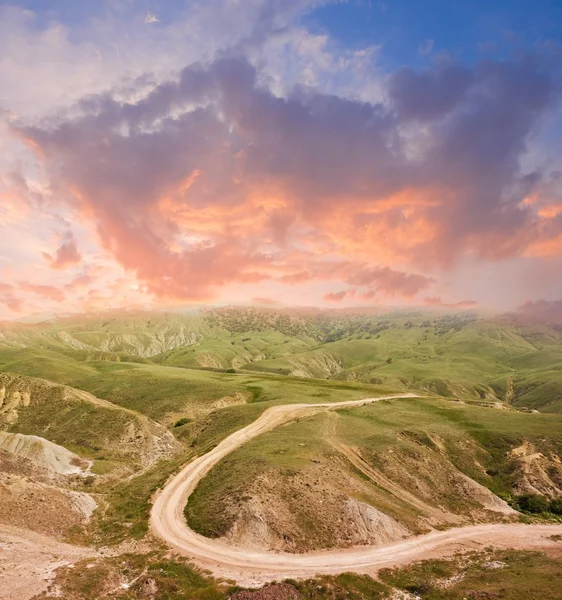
{"x": 253, "y": 568}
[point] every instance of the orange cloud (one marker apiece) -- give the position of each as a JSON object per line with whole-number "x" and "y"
{"x": 336, "y": 296}
{"x": 242, "y": 186}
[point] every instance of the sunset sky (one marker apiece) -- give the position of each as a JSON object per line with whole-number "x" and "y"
{"x": 291, "y": 152}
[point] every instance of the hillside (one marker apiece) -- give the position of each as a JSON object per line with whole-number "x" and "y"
{"x": 78, "y": 421}
{"x": 461, "y": 355}
{"x": 97, "y": 412}
{"x": 379, "y": 473}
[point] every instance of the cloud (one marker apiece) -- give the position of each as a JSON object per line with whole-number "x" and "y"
{"x": 9, "y": 299}
{"x": 210, "y": 179}
{"x": 549, "y": 311}
{"x": 66, "y": 255}
{"x": 112, "y": 46}
{"x": 336, "y": 296}
{"x": 436, "y": 301}
{"x": 265, "y": 301}
{"x": 431, "y": 93}
{"x": 47, "y": 292}
{"x": 274, "y": 158}
{"x": 390, "y": 281}
{"x": 151, "y": 18}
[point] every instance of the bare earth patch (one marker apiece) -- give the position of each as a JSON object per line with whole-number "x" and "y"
{"x": 28, "y": 561}
{"x": 35, "y": 498}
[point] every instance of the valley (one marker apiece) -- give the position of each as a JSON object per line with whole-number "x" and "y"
{"x": 265, "y": 445}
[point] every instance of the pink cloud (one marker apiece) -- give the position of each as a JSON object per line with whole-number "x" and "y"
{"x": 66, "y": 255}
{"x": 336, "y": 296}
{"x": 9, "y": 299}
{"x": 436, "y": 301}
{"x": 265, "y": 301}
{"x": 541, "y": 310}
{"x": 243, "y": 186}
{"x": 391, "y": 282}
{"x": 48, "y": 292}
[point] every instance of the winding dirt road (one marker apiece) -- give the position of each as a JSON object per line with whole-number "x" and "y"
{"x": 253, "y": 568}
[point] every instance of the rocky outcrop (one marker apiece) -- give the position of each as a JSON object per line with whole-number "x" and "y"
{"x": 43, "y": 453}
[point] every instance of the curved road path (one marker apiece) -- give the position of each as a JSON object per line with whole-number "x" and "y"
{"x": 253, "y": 568}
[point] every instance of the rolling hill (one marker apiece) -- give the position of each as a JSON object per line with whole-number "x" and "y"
{"x": 134, "y": 397}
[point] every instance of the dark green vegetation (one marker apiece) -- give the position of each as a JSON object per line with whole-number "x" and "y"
{"x": 538, "y": 504}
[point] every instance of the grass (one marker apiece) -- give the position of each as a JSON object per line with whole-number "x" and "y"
{"x": 470, "y": 435}
{"x": 178, "y": 370}
{"x": 89, "y": 430}
{"x": 228, "y": 481}
{"x": 159, "y": 391}
{"x": 458, "y": 355}
{"x": 127, "y": 504}
{"x": 520, "y": 576}
{"x": 346, "y": 586}
{"x": 129, "y": 576}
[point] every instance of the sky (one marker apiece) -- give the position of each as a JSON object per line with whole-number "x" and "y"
{"x": 335, "y": 154}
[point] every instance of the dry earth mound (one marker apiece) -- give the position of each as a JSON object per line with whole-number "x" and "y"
{"x": 43, "y": 453}
{"x": 28, "y": 562}
{"x": 32, "y": 497}
{"x": 537, "y": 473}
{"x": 312, "y": 509}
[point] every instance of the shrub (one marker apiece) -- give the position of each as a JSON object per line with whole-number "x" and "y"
{"x": 556, "y": 506}
{"x": 532, "y": 503}
{"x": 231, "y": 370}
{"x": 182, "y": 421}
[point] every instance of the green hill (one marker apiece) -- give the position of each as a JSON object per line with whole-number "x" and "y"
{"x": 461, "y": 355}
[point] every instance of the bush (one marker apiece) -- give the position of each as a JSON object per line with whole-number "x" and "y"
{"x": 556, "y": 506}
{"x": 231, "y": 370}
{"x": 182, "y": 421}
{"x": 532, "y": 503}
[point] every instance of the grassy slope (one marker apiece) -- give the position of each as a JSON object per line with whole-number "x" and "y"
{"x": 87, "y": 428}
{"x": 402, "y": 428}
{"x": 479, "y": 360}
{"x": 452, "y": 355}
{"x": 158, "y": 390}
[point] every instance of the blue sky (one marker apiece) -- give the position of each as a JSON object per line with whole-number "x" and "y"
{"x": 467, "y": 30}
{"x": 409, "y": 32}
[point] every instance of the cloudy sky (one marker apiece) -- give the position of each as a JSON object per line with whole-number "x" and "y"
{"x": 300, "y": 152}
